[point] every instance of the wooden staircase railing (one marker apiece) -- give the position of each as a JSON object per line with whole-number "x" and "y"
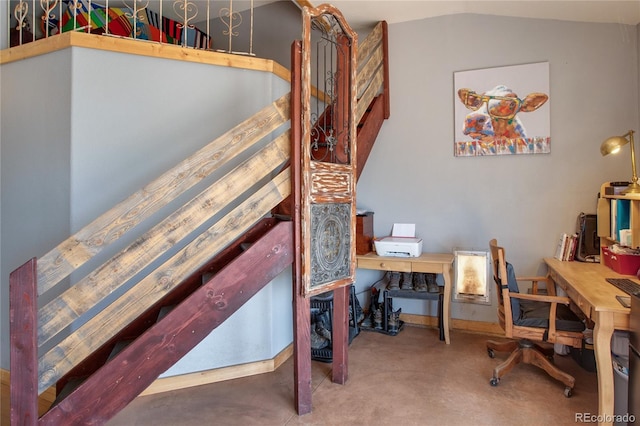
{"x": 39, "y": 356}
{"x": 49, "y": 342}
{"x": 373, "y": 90}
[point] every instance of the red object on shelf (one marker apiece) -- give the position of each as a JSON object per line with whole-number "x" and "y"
{"x": 625, "y": 264}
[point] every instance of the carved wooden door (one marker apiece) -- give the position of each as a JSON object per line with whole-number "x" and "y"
{"x": 328, "y": 152}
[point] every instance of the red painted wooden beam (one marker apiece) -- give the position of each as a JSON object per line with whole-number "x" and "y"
{"x": 118, "y": 382}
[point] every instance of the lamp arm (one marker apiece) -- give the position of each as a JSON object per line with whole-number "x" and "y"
{"x": 634, "y": 188}
{"x": 634, "y": 178}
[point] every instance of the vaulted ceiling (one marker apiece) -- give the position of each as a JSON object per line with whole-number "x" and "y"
{"x": 366, "y": 13}
{"x": 361, "y": 13}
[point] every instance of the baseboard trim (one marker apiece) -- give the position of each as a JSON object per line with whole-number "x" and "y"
{"x": 200, "y": 378}
{"x": 45, "y": 399}
{"x": 489, "y": 328}
{"x": 267, "y": 366}
{"x": 182, "y": 381}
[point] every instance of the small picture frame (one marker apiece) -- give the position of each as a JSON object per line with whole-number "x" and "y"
{"x": 472, "y": 269}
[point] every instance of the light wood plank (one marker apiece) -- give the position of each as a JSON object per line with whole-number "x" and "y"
{"x": 44, "y": 400}
{"x": 97, "y": 331}
{"x": 369, "y": 44}
{"x": 86, "y": 243}
{"x": 207, "y": 377}
{"x": 140, "y": 47}
{"x": 108, "y": 278}
{"x": 4, "y": 397}
{"x": 369, "y": 94}
{"x": 366, "y": 74}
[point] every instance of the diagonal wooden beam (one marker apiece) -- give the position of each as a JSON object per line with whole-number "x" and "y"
{"x": 137, "y": 366}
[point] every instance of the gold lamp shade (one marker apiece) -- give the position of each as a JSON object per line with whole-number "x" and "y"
{"x": 612, "y": 146}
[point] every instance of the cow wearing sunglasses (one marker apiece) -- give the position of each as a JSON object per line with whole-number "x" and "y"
{"x": 495, "y": 114}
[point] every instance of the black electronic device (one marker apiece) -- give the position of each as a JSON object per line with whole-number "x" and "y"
{"x": 588, "y": 249}
{"x": 625, "y": 284}
{"x": 624, "y": 300}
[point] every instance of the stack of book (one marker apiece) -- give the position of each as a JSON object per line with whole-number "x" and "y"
{"x": 567, "y": 246}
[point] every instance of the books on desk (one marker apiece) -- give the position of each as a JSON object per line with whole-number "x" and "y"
{"x": 567, "y": 245}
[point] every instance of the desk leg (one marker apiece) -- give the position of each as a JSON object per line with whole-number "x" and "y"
{"x": 602, "y": 347}
{"x": 440, "y": 316}
{"x": 446, "y": 274}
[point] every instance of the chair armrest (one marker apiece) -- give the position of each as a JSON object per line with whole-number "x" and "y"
{"x": 541, "y": 298}
{"x": 538, "y": 278}
{"x": 554, "y": 300}
{"x": 549, "y": 284}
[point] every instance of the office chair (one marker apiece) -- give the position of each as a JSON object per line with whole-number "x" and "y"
{"x": 527, "y": 317}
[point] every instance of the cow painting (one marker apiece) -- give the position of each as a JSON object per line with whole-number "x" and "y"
{"x": 494, "y": 123}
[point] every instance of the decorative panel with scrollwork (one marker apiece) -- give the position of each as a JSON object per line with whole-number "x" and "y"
{"x": 330, "y": 242}
{"x": 328, "y": 150}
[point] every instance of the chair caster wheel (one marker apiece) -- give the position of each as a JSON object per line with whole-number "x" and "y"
{"x": 491, "y": 353}
{"x": 568, "y": 392}
{"x": 494, "y": 381}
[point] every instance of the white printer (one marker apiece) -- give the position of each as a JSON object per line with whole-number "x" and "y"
{"x": 401, "y": 243}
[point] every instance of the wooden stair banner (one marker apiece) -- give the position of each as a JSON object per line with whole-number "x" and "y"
{"x": 109, "y": 227}
{"x": 151, "y": 316}
{"x": 98, "y": 330}
{"x": 373, "y": 90}
{"x": 140, "y": 363}
{"x": 101, "y": 328}
{"x": 66, "y": 308}
{"x": 56, "y": 343}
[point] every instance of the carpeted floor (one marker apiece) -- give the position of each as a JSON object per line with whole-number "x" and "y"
{"x": 409, "y": 379}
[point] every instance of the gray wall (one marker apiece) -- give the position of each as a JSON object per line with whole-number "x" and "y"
{"x": 276, "y": 26}
{"x": 525, "y": 202}
{"x": 94, "y": 131}
{"x": 411, "y": 175}
{"x": 35, "y": 165}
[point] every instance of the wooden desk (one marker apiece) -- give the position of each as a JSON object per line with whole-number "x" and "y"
{"x": 585, "y": 284}
{"x": 434, "y": 263}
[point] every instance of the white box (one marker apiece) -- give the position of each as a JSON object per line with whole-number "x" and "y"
{"x": 401, "y": 243}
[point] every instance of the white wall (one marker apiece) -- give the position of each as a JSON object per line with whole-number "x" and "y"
{"x": 523, "y": 201}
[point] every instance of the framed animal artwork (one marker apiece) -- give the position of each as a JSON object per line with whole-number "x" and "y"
{"x": 502, "y": 111}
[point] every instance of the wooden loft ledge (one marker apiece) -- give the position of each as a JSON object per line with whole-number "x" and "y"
{"x": 140, "y": 47}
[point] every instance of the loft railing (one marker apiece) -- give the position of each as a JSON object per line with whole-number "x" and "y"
{"x": 201, "y": 24}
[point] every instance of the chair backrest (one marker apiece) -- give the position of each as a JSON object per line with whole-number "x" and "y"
{"x": 517, "y": 321}
{"x": 508, "y": 308}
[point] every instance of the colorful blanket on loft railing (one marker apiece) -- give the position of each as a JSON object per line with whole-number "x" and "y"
{"x": 121, "y": 21}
